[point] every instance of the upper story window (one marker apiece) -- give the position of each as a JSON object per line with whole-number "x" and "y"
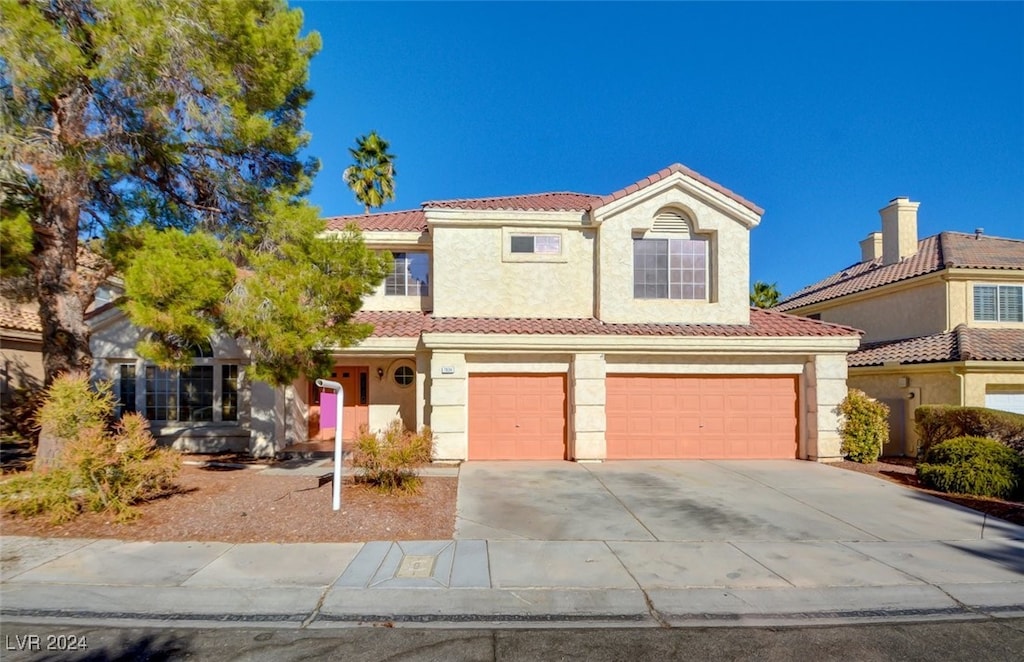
{"x": 999, "y": 303}
{"x": 538, "y": 244}
{"x": 670, "y": 269}
{"x": 410, "y": 275}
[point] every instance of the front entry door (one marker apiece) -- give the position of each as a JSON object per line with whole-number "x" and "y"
{"x": 355, "y": 409}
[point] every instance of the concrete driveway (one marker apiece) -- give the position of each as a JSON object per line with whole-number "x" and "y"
{"x": 704, "y": 501}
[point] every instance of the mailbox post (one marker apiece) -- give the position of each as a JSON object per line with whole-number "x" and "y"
{"x": 338, "y": 403}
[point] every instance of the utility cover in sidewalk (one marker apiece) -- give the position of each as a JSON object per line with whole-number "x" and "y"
{"x": 416, "y": 566}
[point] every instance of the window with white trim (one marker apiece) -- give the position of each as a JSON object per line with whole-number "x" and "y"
{"x": 670, "y": 269}
{"x": 537, "y": 244}
{"x": 999, "y": 303}
{"x": 410, "y": 275}
{"x": 207, "y": 391}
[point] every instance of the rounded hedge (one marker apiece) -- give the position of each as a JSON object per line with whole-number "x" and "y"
{"x": 972, "y": 465}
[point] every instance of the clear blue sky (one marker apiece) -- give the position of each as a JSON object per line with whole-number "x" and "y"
{"x": 820, "y": 113}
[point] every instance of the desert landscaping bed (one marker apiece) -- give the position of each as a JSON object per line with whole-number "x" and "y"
{"x": 237, "y": 504}
{"x": 901, "y": 470}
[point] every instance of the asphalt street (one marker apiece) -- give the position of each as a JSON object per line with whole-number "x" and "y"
{"x": 984, "y": 640}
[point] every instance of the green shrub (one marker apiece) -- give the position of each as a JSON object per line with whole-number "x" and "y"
{"x": 388, "y": 459}
{"x": 937, "y": 423}
{"x": 865, "y": 426}
{"x": 972, "y": 465}
{"x": 98, "y": 469}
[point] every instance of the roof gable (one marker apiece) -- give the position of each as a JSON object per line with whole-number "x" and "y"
{"x": 665, "y": 173}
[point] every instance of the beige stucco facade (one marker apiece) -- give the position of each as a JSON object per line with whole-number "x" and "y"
{"x": 472, "y": 257}
{"x": 584, "y": 273}
{"x": 22, "y": 355}
{"x": 725, "y": 226}
{"x": 915, "y": 309}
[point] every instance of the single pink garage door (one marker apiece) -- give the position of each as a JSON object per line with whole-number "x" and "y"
{"x": 701, "y": 417}
{"x": 517, "y": 417}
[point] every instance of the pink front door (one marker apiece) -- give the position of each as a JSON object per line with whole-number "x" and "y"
{"x": 355, "y": 409}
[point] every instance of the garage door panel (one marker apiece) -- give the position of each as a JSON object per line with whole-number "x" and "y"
{"x": 517, "y": 417}
{"x": 715, "y": 416}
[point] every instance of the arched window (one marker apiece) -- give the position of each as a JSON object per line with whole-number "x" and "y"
{"x": 674, "y": 265}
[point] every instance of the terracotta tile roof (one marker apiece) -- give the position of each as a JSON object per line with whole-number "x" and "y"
{"x": 411, "y": 220}
{"x": 392, "y": 323}
{"x": 535, "y": 202}
{"x": 961, "y": 344}
{"x": 414, "y": 220}
{"x": 981, "y": 252}
{"x": 762, "y": 324}
{"x": 672, "y": 169}
{"x": 13, "y": 316}
{"x": 940, "y": 251}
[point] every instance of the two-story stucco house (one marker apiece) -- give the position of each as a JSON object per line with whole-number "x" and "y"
{"x": 943, "y": 319}
{"x": 546, "y": 326}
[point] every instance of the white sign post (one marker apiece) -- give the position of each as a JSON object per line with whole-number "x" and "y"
{"x": 338, "y": 402}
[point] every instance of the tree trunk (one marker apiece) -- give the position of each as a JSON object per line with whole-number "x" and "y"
{"x": 63, "y": 294}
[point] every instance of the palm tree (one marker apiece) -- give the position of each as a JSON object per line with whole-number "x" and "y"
{"x": 372, "y": 176}
{"x": 764, "y": 295}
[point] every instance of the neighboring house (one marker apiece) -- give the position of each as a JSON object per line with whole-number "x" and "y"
{"x": 21, "y": 348}
{"x": 21, "y": 331}
{"x": 547, "y": 326}
{"x": 943, "y": 319}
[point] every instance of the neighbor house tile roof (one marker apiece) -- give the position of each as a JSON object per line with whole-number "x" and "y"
{"x": 762, "y": 324}
{"x": 533, "y": 202}
{"x": 666, "y": 172}
{"x": 411, "y": 220}
{"x": 13, "y": 316}
{"x": 934, "y": 253}
{"x": 961, "y": 344}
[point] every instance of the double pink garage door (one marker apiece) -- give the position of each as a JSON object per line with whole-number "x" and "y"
{"x": 523, "y": 417}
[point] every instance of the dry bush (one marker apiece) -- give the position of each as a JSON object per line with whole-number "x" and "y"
{"x": 98, "y": 469}
{"x": 388, "y": 459}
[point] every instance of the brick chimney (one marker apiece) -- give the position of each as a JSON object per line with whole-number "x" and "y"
{"x": 899, "y": 230}
{"x": 871, "y": 247}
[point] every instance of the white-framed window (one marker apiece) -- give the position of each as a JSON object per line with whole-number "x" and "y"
{"x": 536, "y": 244}
{"x": 410, "y": 275}
{"x": 999, "y": 303}
{"x": 207, "y": 391}
{"x": 670, "y": 269}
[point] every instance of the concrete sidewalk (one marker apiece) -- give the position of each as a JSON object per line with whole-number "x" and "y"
{"x": 512, "y": 582}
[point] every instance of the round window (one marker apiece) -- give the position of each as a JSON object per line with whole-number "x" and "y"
{"x": 404, "y": 375}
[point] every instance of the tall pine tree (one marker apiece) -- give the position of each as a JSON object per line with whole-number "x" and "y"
{"x": 172, "y": 131}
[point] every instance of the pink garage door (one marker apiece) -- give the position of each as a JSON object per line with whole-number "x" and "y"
{"x": 706, "y": 417}
{"x": 517, "y": 417}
